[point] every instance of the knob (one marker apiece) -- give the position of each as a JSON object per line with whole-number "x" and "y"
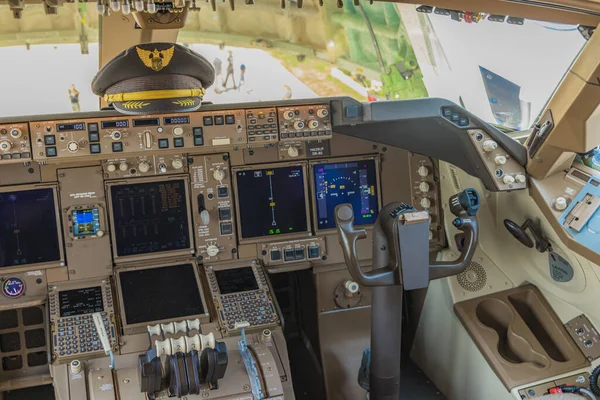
{"x": 423, "y": 171}
{"x": 100, "y": 233}
{"x": 560, "y": 203}
{"x": 73, "y": 147}
{"x": 205, "y": 217}
{"x": 212, "y": 250}
{"x": 351, "y": 288}
{"x": 520, "y": 178}
{"x": 313, "y": 123}
{"x": 424, "y": 187}
{"x": 489, "y": 145}
{"x": 425, "y": 202}
{"x": 143, "y": 167}
{"x": 5, "y": 145}
{"x": 500, "y": 160}
{"x": 508, "y": 179}
{"x": 177, "y": 163}
{"x": 289, "y": 115}
{"x": 322, "y": 112}
{"x": 266, "y": 336}
{"x": 162, "y": 168}
{"x": 75, "y": 367}
{"x": 178, "y": 131}
{"x": 292, "y": 151}
{"x": 15, "y": 133}
{"x": 116, "y": 135}
{"x": 48, "y": 128}
{"x": 299, "y": 125}
{"x": 219, "y": 174}
{"x": 111, "y": 168}
{"x": 123, "y": 166}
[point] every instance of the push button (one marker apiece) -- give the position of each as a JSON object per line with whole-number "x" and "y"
{"x": 313, "y": 252}
{"x": 208, "y": 121}
{"x": 178, "y": 142}
{"x": 230, "y": 119}
{"x": 49, "y": 140}
{"x": 219, "y": 120}
{"x": 95, "y": 148}
{"x": 289, "y": 255}
{"x": 224, "y": 213}
{"x": 163, "y": 143}
{"x": 226, "y": 228}
{"x": 94, "y": 136}
{"x": 275, "y": 255}
{"x": 300, "y": 254}
{"x": 117, "y": 147}
{"x": 222, "y": 191}
{"x": 50, "y": 151}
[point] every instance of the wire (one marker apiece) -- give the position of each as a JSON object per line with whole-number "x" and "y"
{"x": 587, "y": 393}
{"x": 594, "y": 381}
{"x": 552, "y": 28}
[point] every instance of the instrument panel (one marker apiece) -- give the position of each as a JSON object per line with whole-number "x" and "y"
{"x": 168, "y": 227}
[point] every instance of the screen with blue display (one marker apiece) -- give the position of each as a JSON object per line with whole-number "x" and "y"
{"x": 353, "y": 182}
{"x": 85, "y": 221}
{"x": 272, "y": 201}
{"x": 28, "y": 228}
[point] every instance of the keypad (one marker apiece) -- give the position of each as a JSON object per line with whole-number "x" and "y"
{"x": 253, "y": 307}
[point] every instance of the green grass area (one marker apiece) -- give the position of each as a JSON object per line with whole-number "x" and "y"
{"x": 316, "y": 74}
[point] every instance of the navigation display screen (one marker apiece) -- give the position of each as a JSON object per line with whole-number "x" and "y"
{"x": 236, "y": 280}
{"x": 150, "y": 217}
{"x": 353, "y": 182}
{"x": 272, "y": 201}
{"x": 80, "y": 301}
{"x": 155, "y": 294}
{"x": 28, "y": 228}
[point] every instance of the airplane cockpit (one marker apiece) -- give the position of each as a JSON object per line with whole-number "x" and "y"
{"x": 299, "y": 200}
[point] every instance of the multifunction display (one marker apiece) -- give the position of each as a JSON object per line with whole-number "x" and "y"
{"x": 28, "y": 228}
{"x": 162, "y": 293}
{"x": 272, "y": 201}
{"x": 150, "y": 217}
{"x": 353, "y": 182}
{"x": 86, "y": 221}
{"x": 80, "y": 301}
{"x": 236, "y": 280}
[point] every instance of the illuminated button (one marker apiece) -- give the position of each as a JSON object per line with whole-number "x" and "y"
{"x": 50, "y": 151}
{"x": 95, "y": 148}
{"x": 299, "y": 254}
{"x": 463, "y": 121}
{"x": 208, "y": 121}
{"x": 94, "y": 136}
{"x": 222, "y": 191}
{"x": 289, "y": 255}
{"x": 314, "y": 252}
{"x": 198, "y": 140}
{"x": 219, "y": 120}
{"x": 92, "y": 127}
{"x": 163, "y": 143}
{"x": 117, "y": 147}
{"x": 230, "y": 119}
{"x": 275, "y": 255}
{"x": 16, "y": 156}
{"x": 226, "y": 228}
{"x": 49, "y": 140}
{"x": 178, "y": 142}
{"x": 224, "y": 213}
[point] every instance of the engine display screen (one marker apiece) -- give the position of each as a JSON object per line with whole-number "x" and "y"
{"x": 272, "y": 201}
{"x": 353, "y": 182}
{"x": 236, "y": 280}
{"x": 80, "y": 301}
{"x": 28, "y": 228}
{"x": 150, "y": 217}
{"x": 85, "y": 221}
{"x": 161, "y": 293}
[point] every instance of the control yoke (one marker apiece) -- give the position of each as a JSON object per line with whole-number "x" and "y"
{"x": 401, "y": 243}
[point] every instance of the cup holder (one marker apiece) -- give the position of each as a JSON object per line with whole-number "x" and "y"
{"x": 497, "y": 315}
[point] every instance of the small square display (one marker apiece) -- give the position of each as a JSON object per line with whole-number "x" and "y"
{"x": 85, "y": 221}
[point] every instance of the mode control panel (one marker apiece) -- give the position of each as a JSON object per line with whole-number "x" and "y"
{"x": 304, "y": 122}
{"x": 130, "y": 167}
{"x": 112, "y": 136}
{"x": 281, "y": 253}
{"x": 72, "y": 327}
{"x": 508, "y": 173}
{"x": 14, "y": 143}
{"x": 241, "y": 296}
{"x": 262, "y": 125}
{"x": 213, "y": 211}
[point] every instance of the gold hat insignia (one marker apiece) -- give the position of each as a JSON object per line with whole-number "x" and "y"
{"x": 157, "y": 59}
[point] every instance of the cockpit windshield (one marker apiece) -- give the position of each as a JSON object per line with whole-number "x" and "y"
{"x": 502, "y": 72}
